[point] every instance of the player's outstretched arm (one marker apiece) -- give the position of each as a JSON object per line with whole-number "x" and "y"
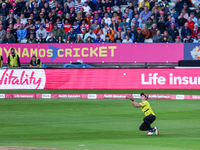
{"x": 134, "y": 103}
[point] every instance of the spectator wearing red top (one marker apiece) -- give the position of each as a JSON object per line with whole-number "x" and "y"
{"x": 83, "y": 25}
{"x": 190, "y": 23}
{"x": 96, "y": 31}
{"x": 67, "y": 25}
{"x": 49, "y": 25}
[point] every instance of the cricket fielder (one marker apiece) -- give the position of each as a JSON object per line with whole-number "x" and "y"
{"x": 148, "y": 112}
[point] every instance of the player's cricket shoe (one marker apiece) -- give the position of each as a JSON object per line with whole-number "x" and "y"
{"x": 150, "y": 133}
{"x": 156, "y": 131}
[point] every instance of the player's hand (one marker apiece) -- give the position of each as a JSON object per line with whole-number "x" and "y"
{"x": 130, "y": 97}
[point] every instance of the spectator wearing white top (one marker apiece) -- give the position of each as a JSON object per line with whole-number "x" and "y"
{"x": 70, "y": 3}
{"x": 91, "y": 34}
{"x": 127, "y": 40}
{"x": 23, "y": 20}
{"x": 107, "y": 19}
{"x": 86, "y": 7}
{"x": 52, "y": 4}
{"x": 42, "y": 31}
{"x": 193, "y": 17}
{"x": 78, "y": 4}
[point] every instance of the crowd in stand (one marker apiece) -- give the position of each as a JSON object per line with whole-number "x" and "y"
{"x": 98, "y": 21}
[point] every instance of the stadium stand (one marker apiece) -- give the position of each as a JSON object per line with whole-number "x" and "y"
{"x": 35, "y": 21}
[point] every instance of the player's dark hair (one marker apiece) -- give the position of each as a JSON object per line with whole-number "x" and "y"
{"x": 143, "y": 94}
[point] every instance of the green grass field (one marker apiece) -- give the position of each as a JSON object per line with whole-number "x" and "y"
{"x": 106, "y": 124}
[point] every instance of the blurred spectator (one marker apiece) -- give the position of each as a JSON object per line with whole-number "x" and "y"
{"x": 114, "y": 25}
{"x": 76, "y": 27}
{"x": 94, "y": 26}
{"x": 164, "y": 39}
{"x": 158, "y": 37}
{"x": 89, "y": 19}
{"x": 96, "y": 17}
{"x": 98, "y": 5}
{"x": 29, "y": 25}
{"x": 31, "y": 39}
{"x": 38, "y": 23}
{"x": 179, "y": 5}
{"x": 193, "y": 17}
{"x": 156, "y": 7}
{"x": 129, "y": 15}
{"x": 96, "y": 31}
{"x": 60, "y": 40}
{"x": 78, "y": 4}
{"x": 86, "y": 7}
{"x": 119, "y": 13}
{"x": 101, "y": 13}
{"x": 197, "y": 39}
{"x": 98, "y": 39}
{"x": 152, "y": 4}
{"x": 52, "y": 4}
{"x": 181, "y": 20}
{"x": 40, "y": 39}
{"x": 118, "y": 39}
{"x": 146, "y": 32}
{"x": 153, "y": 30}
{"x": 185, "y": 31}
{"x": 10, "y": 19}
{"x": 106, "y": 5}
{"x": 111, "y": 34}
{"x": 197, "y": 13}
{"x": 8, "y": 39}
{"x": 15, "y": 8}
{"x": 31, "y": 32}
{"x": 52, "y": 39}
{"x": 173, "y": 32}
{"x": 188, "y": 39}
{"x": 174, "y": 13}
{"x": 21, "y": 33}
{"x": 8, "y": 31}
{"x": 117, "y": 3}
{"x": 185, "y": 7}
{"x": 16, "y": 25}
{"x": 162, "y": 15}
{"x": 87, "y": 28}
{"x": 171, "y": 21}
{"x": 140, "y": 37}
{"x": 130, "y": 35}
{"x": 13, "y": 59}
{"x": 27, "y": 10}
{"x": 147, "y": 4}
{"x": 164, "y": 9}
{"x": 49, "y": 25}
{"x": 35, "y": 62}
{"x": 178, "y": 39}
{"x": 124, "y": 24}
{"x": 91, "y": 34}
{"x": 127, "y": 40}
{"x": 88, "y": 40}
{"x": 65, "y": 8}
{"x": 195, "y": 31}
{"x": 107, "y": 19}
{"x": 42, "y": 31}
{"x": 190, "y": 23}
{"x": 109, "y": 12}
{"x": 72, "y": 34}
{"x": 145, "y": 14}
{"x": 3, "y": 10}
{"x": 102, "y": 36}
{"x": 149, "y": 23}
{"x": 72, "y": 13}
{"x": 107, "y": 40}
{"x": 134, "y": 23}
{"x": 23, "y": 20}
{"x": 70, "y": 3}
{"x": 67, "y": 25}
{"x": 58, "y": 31}
{"x": 59, "y": 23}
{"x": 138, "y": 20}
{"x": 91, "y": 4}
{"x": 79, "y": 40}
{"x": 79, "y": 17}
{"x": 169, "y": 38}
{"x": 185, "y": 14}
{"x": 164, "y": 3}
{"x": 130, "y": 7}
{"x": 2, "y": 33}
{"x": 41, "y": 4}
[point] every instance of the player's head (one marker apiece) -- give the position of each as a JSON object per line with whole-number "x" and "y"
{"x": 143, "y": 96}
{"x": 33, "y": 58}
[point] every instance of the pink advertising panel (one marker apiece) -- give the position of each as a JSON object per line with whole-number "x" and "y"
{"x": 27, "y": 96}
{"x": 47, "y": 96}
{"x": 123, "y": 79}
{"x": 69, "y": 96}
{"x": 108, "y": 52}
